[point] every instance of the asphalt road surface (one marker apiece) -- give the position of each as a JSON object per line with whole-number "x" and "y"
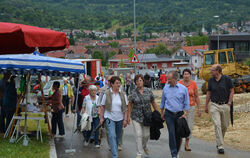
{"x": 158, "y": 149}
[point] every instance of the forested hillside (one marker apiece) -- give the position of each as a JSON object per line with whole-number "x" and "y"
{"x": 185, "y": 15}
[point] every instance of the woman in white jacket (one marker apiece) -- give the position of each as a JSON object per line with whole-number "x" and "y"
{"x": 90, "y": 107}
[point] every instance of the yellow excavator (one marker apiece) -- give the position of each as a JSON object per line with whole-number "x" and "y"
{"x": 239, "y": 73}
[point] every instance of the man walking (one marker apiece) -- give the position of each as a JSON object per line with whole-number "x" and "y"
{"x": 175, "y": 102}
{"x": 220, "y": 92}
{"x": 152, "y": 77}
{"x": 67, "y": 93}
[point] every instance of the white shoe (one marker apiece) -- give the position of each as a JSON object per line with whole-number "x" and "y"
{"x": 139, "y": 156}
{"x": 86, "y": 143}
{"x": 59, "y": 136}
{"x": 67, "y": 115}
{"x": 97, "y": 146}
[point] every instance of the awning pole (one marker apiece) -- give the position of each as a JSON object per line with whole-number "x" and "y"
{"x": 71, "y": 150}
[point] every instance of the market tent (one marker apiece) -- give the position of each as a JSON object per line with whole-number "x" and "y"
{"x": 19, "y": 38}
{"x": 38, "y": 64}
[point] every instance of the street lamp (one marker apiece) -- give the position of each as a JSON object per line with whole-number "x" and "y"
{"x": 134, "y": 33}
{"x": 218, "y": 40}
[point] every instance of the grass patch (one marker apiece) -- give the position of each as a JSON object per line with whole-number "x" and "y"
{"x": 35, "y": 148}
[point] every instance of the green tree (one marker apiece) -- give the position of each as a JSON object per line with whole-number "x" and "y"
{"x": 122, "y": 65}
{"x": 120, "y": 51}
{"x": 89, "y": 47}
{"x": 111, "y": 54}
{"x": 99, "y": 55}
{"x": 247, "y": 62}
{"x": 114, "y": 44}
{"x": 197, "y": 40}
{"x": 71, "y": 39}
{"x": 118, "y": 33}
{"x": 159, "y": 49}
{"x": 130, "y": 54}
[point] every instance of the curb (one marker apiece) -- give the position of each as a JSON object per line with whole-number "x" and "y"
{"x": 52, "y": 152}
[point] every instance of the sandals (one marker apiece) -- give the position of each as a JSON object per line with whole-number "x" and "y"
{"x": 188, "y": 149}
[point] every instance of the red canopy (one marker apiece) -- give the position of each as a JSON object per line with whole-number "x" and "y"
{"x": 19, "y": 38}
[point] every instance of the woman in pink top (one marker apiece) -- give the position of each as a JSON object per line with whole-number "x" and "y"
{"x": 193, "y": 98}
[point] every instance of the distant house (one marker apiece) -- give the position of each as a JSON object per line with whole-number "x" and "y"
{"x": 56, "y": 54}
{"x": 151, "y": 60}
{"x": 191, "y": 54}
{"x": 115, "y": 61}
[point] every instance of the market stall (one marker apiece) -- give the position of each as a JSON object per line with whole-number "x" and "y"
{"x": 36, "y": 64}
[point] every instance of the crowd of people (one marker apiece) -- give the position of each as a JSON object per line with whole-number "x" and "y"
{"x": 118, "y": 101}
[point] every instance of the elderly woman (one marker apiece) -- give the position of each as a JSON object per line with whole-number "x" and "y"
{"x": 114, "y": 109}
{"x": 140, "y": 101}
{"x": 193, "y": 98}
{"x": 89, "y": 106}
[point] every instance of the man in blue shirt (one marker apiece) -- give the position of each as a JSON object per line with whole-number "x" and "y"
{"x": 175, "y": 102}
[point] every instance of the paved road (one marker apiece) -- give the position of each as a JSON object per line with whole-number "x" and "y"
{"x": 158, "y": 149}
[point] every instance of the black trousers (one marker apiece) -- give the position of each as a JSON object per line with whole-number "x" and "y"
{"x": 65, "y": 102}
{"x": 57, "y": 120}
{"x": 6, "y": 114}
{"x": 127, "y": 88}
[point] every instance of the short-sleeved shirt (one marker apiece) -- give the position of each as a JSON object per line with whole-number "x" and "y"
{"x": 220, "y": 90}
{"x": 116, "y": 113}
{"x": 141, "y": 103}
{"x": 191, "y": 91}
{"x": 92, "y": 105}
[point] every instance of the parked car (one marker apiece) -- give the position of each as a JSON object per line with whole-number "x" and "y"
{"x": 46, "y": 89}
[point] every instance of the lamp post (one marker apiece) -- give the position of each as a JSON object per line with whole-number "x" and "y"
{"x": 218, "y": 39}
{"x": 134, "y": 33}
{"x": 191, "y": 62}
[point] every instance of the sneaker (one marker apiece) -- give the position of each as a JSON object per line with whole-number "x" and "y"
{"x": 221, "y": 151}
{"x": 97, "y": 146}
{"x": 138, "y": 156}
{"x": 86, "y": 143}
{"x": 67, "y": 115}
{"x": 146, "y": 151}
{"x": 59, "y": 136}
{"x": 119, "y": 147}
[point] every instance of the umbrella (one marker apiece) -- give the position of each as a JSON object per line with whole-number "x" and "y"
{"x": 36, "y": 63}
{"x": 19, "y": 38}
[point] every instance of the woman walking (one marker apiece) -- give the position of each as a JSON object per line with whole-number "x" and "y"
{"x": 114, "y": 110}
{"x": 193, "y": 98}
{"x": 90, "y": 107}
{"x": 57, "y": 110}
{"x": 140, "y": 102}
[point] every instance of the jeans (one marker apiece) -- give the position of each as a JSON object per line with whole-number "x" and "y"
{"x": 65, "y": 101}
{"x": 114, "y": 131}
{"x": 6, "y": 114}
{"x": 57, "y": 119}
{"x": 174, "y": 140}
{"x": 87, "y": 134}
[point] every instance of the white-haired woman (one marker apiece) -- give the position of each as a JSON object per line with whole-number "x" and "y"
{"x": 90, "y": 107}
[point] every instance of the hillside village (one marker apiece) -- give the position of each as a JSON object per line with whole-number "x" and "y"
{"x": 118, "y": 49}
